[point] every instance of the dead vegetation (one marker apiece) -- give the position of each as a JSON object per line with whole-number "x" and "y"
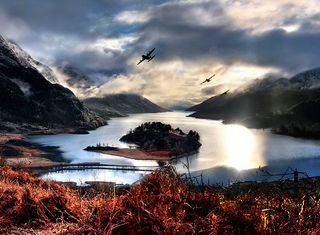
{"x": 161, "y": 204}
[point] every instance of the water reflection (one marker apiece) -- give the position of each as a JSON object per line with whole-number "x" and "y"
{"x": 242, "y": 148}
{"x": 120, "y": 177}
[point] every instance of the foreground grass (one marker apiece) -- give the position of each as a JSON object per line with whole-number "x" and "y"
{"x": 161, "y": 204}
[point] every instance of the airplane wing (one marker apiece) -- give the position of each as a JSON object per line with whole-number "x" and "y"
{"x": 150, "y": 52}
{"x": 151, "y": 58}
{"x": 212, "y": 76}
{"x": 208, "y": 79}
{"x": 140, "y": 61}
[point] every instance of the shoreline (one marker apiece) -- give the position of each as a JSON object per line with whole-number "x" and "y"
{"x": 138, "y": 154}
{"x": 17, "y": 152}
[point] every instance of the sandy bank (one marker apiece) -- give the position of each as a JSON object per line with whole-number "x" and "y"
{"x": 139, "y": 154}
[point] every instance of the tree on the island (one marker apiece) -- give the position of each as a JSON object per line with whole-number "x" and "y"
{"x": 193, "y": 134}
{"x": 179, "y": 131}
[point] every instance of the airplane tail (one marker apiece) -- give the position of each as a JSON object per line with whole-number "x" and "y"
{"x": 151, "y": 58}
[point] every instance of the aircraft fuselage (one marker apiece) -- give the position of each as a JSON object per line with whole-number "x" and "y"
{"x": 146, "y": 57}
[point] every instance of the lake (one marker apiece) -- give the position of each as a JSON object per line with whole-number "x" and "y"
{"x": 228, "y": 153}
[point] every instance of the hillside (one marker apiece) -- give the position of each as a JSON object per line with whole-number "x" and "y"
{"x": 122, "y": 105}
{"x": 304, "y": 120}
{"x": 162, "y": 203}
{"x": 267, "y": 103}
{"x": 28, "y": 97}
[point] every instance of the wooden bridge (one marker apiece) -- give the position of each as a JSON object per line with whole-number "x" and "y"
{"x": 89, "y": 166}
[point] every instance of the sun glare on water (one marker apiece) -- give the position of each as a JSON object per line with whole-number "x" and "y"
{"x": 241, "y": 146}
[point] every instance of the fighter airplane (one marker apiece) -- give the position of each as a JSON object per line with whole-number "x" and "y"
{"x": 208, "y": 79}
{"x": 148, "y": 56}
{"x": 226, "y": 92}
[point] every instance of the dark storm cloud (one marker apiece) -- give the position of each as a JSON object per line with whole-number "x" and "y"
{"x": 199, "y": 31}
{"x": 293, "y": 51}
{"x": 61, "y": 30}
{"x": 56, "y": 16}
{"x": 79, "y": 17}
{"x": 311, "y": 24}
{"x": 177, "y": 36}
{"x": 95, "y": 62}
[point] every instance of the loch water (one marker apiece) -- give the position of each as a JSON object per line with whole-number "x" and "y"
{"x": 228, "y": 153}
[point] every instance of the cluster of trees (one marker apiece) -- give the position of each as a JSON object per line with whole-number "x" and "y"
{"x": 152, "y": 127}
{"x": 157, "y": 135}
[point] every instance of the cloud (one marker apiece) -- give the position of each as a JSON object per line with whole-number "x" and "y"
{"x": 193, "y": 40}
{"x": 269, "y": 15}
{"x": 188, "y": 38}
{"x": 68, "y": 17}
{"x": 132, "y": 17}
{"x": 59, "y": 24}
{"x": 115, "y": 44}
{"x": 157, "y": 81}
{"x": 15, "y": 29}
{"x": 212, "y": 90}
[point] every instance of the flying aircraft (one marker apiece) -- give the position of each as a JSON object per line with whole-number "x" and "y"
{"x": 148, "y": 56}
{"x": 208, "y": 79}
{"x": 226, "y": 92}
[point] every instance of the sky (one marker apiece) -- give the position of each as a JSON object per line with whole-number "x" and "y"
{"x": 238, "y": 40}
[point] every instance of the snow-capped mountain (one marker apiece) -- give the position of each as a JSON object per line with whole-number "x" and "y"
{"x": 27, "y": 61}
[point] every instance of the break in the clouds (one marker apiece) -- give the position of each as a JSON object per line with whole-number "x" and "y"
{"x": 240, "y": 40}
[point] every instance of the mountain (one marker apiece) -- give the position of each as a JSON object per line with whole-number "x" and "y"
{"x": 304, "y": 120}
{"x": 77, "y": 78}
{"x": 268, "y": 103}
{"x": 27, "y": 96}
{"x": 121, "y": 105}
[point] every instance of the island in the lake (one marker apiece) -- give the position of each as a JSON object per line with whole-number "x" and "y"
{"x": 154, "y": 141}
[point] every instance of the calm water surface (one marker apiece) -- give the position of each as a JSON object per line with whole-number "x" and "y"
{"x": 228, "y": 152}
